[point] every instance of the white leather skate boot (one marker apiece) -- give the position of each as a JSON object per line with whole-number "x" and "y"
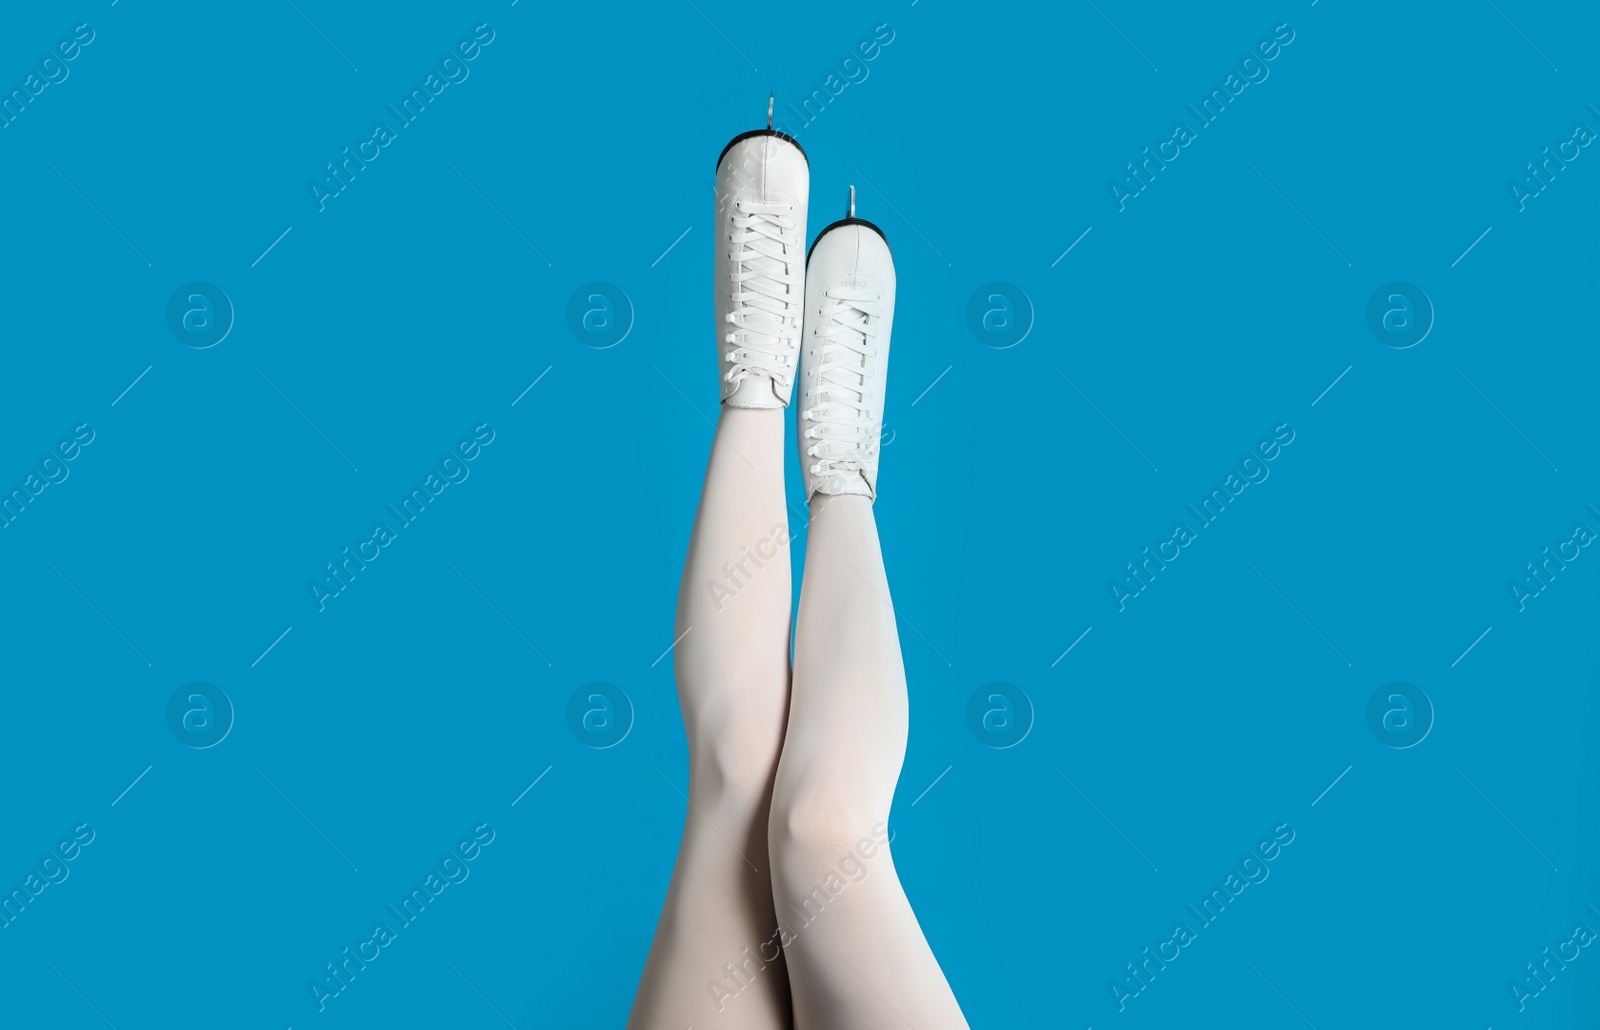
{"x": 763, "y": 183}
{"x": 844, "y": 361}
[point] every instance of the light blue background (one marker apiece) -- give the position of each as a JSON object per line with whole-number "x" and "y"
{"x": 376, "y": 734}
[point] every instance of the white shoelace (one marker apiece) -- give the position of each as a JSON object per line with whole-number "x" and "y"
{"x": 842, "y": 421}
{"x": 764, "y": 262}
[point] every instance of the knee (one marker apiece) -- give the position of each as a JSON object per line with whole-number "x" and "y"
{"x": 734, "y": 760}
{"x": 821, "y": 812}
{"x": 819, "y": 841}
{"x": 732, "y": 773}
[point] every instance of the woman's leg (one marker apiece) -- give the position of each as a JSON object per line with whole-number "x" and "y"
{"x": 733, "y": 683}
{"x": 857, "y": 958}
{"x": 716, "y": 960}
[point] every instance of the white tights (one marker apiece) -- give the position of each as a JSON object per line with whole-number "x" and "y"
{"x": 841, "y": 948}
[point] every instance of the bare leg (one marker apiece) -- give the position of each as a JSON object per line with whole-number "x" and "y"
{"x": 857, "y": 958}
{"x": 715, "y": 960}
